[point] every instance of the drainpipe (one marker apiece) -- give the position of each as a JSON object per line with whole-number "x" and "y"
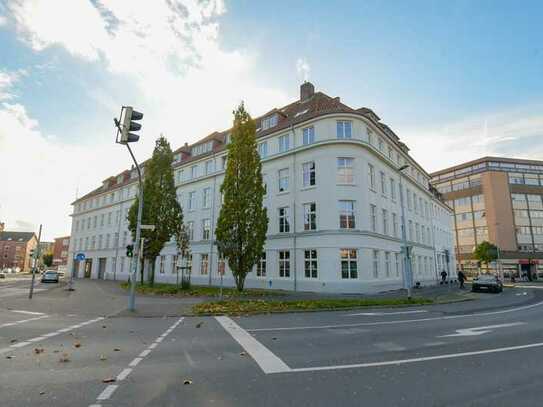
{"x": 211, "y": 232}
{"x": 295, "y": 188}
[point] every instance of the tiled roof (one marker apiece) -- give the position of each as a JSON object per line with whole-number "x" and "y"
{"x": 16, "y": 236}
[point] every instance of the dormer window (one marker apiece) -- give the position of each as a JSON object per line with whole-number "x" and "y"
{"x": 177, "y": 158}
{"x": 202, "y": 148}
{"x": 268, "y": 122}
{"x": 119, "y": 179}
{"x": 301, "y": 113}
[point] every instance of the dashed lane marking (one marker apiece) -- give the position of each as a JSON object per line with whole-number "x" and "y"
{"x": 22, "y": 321}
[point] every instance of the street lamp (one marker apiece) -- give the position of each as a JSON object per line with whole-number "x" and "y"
{"x": 405, "y": 247}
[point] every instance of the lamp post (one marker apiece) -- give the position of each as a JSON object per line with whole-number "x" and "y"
{"x": 405, "y": 247}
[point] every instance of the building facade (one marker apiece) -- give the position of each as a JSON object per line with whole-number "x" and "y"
{"x": 498, "y": 200}
{"x": 333, "y": 195}
{"x": 15, "y": 249}
{"x": 61, "y": 249}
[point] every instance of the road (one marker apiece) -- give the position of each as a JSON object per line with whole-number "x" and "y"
{"x": 85, "y": 351}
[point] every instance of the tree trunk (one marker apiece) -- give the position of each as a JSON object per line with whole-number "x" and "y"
{"x": 142, "y": 264}
{"x": 152, "y": 274}
{"x": 240, "y": 281}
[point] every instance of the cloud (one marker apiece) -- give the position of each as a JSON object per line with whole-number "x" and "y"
{"x": 3, "y": 21}
{"x": 7, "y": 83}
{"x": 303, "y": 69}
{"x": 514, "y": 133}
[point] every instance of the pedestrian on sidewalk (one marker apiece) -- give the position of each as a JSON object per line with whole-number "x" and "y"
{"x": 443, "y": 277}
{"x": 461, "y": 278}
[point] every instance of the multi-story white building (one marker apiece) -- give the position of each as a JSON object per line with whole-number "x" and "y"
{"x": 333, "y": 198}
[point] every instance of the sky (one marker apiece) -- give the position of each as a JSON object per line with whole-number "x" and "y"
{"x": 455, "y": 80}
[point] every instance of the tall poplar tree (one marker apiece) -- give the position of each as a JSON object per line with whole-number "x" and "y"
{"x": 160, "y": 206}
{"x": 243, "y": 221}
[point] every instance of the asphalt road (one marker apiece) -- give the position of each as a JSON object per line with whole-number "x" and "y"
{"x": 61, "y": 349}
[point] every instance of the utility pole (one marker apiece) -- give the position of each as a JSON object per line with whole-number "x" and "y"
{"x": 36, "y": 257}
{"x": 125, "y": 125}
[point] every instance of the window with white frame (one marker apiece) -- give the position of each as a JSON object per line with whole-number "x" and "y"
{"x": 346, "y": 214}
{"x": 385, "y": 221}
{"x": 344, "y": 129}
{"x": 409, "y": 199}
{"x": 204, "y": 264}
{"x": 284, "y": 143}
{"x": 161, "y": 264}
{"x": 375, "y": 263}
{"x": 417, "y": 232}
{"x": 383, "y": 183}
{"x": 345, "y": 170}
{"x": 284, "y": 263}
{"x": 310, "y": 216}
{"x": 206, "y": 198}
{"x": 263, "y": 149}
{"x": 390, "y": 153}
{"x": 99, "y": 242}
{"x": 310, "y": 263}
{"x": 108, "y": 237}
{"x": 192, "y": 201}
{"x": 283, "y": 180}
{"x": 308, "y": 135}
{"x": 392, "y": 189}
{"x": 209, "y": 167}
{"x": 397, "y": 261}
{"x": 206, "y": 229}
{"x": 422, "y": 234}
{"x": 190, "y": 230}
{"x": 221, "y": 265}
{"x": 284, "y": 219}
{"x": 175, "y": 259}
{"x": 261, "y": 266}
{"x": 269, "y": 121}
{"x": 371, "y": 139}
{"x": 381, "y": 144}
{"x": 308, "y": 174}
{"x": 387, "y": 264}
{"x": 373, "y": 218}
{"x": 371, "y": 176}
{"x": 394, "y": 225}
{"x": 194, "y": 171}
{"x": 410, "y": 229}
{"x": 349, "y": 263}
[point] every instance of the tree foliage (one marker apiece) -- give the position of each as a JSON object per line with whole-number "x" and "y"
{"x": 243, "y": 221}
{"x": 485, "y": 252}
{"x": 160, "y": 206}
{"x": 47, "y": 259}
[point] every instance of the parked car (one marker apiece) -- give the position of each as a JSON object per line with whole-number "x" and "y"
{"x": 49, "y": 277}
{"x": 2, "y": 274}
{"x": 487, "y": 282}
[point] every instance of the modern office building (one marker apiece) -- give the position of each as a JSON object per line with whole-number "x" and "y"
{"x": 498, "y": 200}
{"x": 333, "y": 182}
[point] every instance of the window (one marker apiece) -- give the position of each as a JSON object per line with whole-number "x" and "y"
{"x": 308, "y": 174}
{"x": 107, "y": 241}
{"x": 99, "y": 242}
{"x": 397, "y": 261}
{"x": 284, "y": 263}
{"x": 371, "y": 140}
{"x": 204, "y": 263}
{"x": 95, "y": 218}
{"x": 310, "y": 216}
{"x": 125, "y": 235}
{"x": 410, "y": 230}
{"x": 102, "y": 219}
{"x": 422, "y": 234}
{"x": 283, "y": 180}
{"x": 392, "y": 189}
{"x": 349, "y": 266}
{"x": 346, "y": 215}
{"x": 375, "y": 263}
{"x": 207, "y": 197}
{"x": 221, "y": 265}
{"x": 310, "y": 263}
{"x": 394, "y": 225}
{"x": 381, "y": 144}
{"x": 345, "y": 170}
{"x": 344, "y": 129}
{"x": 190, "y": 230}
{"x": 263, "y": 149}
{"x": 409, "y": 200}
{"x": 209, "y": 167}
{"x": 415, "y": 206}
{"x": 387, "y": 264}
{"x": 206, "y": 229}
{"x": 175, "y": 259}
{"x": 373, "y": 218}
{"x": 308, "y": 135}
{"x": 261, "y": 266}
{"x": 116, "y": 240}
{"x": 202, "y": 148}
{"x": 223, "y": 162}
{"x": 390, "y": 153}
{"x": 417, "y": 233}
{"x": 269, "y": 121}
{"x": 385, "y": 221}
{"x": 192, "y": 201}
{"x": 109, "y": 218}
{"x": 284, "y": 143}
{"x": 371, "y": 176}
{"x": 194, "y": 171}
{"x": 383, "y": 183}
{"x": 284, "y": 220}
{"x": 161, "y": 264}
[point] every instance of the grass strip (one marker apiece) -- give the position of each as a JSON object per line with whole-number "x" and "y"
{"x": 200, "y": 291}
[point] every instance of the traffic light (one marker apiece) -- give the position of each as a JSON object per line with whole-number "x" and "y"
{"x": 32, "y": 253}
{"x": 129, "y": 124}
{"x": 130, "y": 250}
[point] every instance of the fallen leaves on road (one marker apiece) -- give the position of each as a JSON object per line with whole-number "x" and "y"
{"x": 77, "y": 344}
{"x": 64, "y": 358}
{"x": 199, "y": 324}
{"x": 243, "y": 353}
{"x": 42, "y": 393}
{"x": 13, "y": 341}
{"x": 103, "y": 326}
{"x": 103, "y": 357}
{"x": 37, "y": 351}
{"x": 187, "y": 381}
{"x": 109, "y": 380}
{"x": 116, "y": 350}
{"x": 10, "y": 356}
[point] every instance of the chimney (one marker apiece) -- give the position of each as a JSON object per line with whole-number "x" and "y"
{"x": 2, "y": 225}
{"x": 306, "y": 91}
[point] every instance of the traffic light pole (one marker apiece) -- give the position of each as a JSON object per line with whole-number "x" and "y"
{"x": 135, "y": 264}
{"x": 36, "y": 257}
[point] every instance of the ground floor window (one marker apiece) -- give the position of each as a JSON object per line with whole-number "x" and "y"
{"x": 114, "y": 264}
{"x": 397, "y": 259}
{"x": 375, "y": 263}
{"x": 387, "y": 264}
{"x": 221, "y": 266}
{"x": 175, "y": 258}
{"x": 121, "y": 260}
{"x": 204, "y": 263}
{"x": 310, "y": 263}
{"x": 349, "y": 265}
{"x": 261, "y": 266}
{"x": 284, "y": 263}
{"x": 161, "y": 264}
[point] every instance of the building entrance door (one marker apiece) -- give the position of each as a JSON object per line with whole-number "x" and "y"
{"x": 88, "y": 268}
{"x": 101, "y": 268}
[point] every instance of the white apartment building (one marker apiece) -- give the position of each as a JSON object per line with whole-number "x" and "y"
{"x": 333, "y": 201}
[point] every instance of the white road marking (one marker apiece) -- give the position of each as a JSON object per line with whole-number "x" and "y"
{"x": 267, "y": 360}
{"x": 389, "y": 346}
{"x": 48, "y": 335}
{"x": 404, "y": 321}
{"x": 421, "y": 359}
{"x": 153, "y": 345}
{"x": 110, "y": 389}
{"x": 22, "y": 321}
{"x": 27, "y": 312}
{"x": 480, "y": 330}
{"x": 371, "y": 314}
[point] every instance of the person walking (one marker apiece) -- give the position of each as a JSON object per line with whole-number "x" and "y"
{"x": 461, "y": 278}
{"x": 443, "y": 277}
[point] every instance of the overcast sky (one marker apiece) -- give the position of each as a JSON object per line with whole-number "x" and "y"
{"x": 455, "y": 80}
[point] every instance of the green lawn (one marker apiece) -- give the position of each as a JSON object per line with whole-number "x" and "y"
{"x": 201, "y": 291}
{"x": 237, "y": 307}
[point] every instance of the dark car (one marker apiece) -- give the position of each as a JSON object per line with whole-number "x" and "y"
{"x": 49, "y": 277}
{"x": 487, "y": 282}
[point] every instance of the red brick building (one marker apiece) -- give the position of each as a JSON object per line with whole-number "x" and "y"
{"x": 60, "y": 251}
{"x": 15, "y": 250}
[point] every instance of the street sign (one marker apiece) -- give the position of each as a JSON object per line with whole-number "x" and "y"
{"x": 80, "y": 256}
{"x": 147, "y": 227}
